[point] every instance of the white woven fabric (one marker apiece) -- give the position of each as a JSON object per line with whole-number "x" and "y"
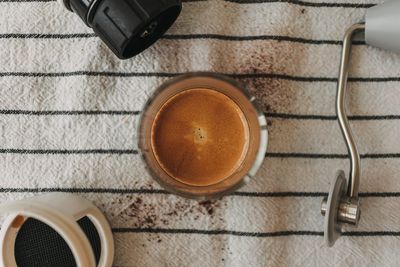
{"x": 62, "y": 93}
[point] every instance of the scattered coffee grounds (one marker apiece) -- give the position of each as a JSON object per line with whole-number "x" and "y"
{"x": 209, "y": 206}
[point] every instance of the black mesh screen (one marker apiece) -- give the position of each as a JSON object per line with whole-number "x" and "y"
{"x": 91, "y": 233}
{"x": 38, "y": 245}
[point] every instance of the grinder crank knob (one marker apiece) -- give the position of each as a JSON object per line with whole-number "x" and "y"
{"x": 338, "y": 208}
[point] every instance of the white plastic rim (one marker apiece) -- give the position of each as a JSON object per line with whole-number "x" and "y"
{"x": 64, "y": 224}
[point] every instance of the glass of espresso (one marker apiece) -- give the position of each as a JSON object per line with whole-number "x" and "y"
{"x": 202, "y": 136}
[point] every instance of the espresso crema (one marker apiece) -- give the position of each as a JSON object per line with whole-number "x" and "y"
{"x": 200, "y": 137}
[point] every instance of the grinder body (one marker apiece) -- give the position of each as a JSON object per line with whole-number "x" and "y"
{"x": 382, "y": 26}
{"x": 127, "y": 26}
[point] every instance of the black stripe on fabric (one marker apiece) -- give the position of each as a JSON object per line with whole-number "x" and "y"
{"x": 164, "y": 192}
{"x": 283, "y": 116}
{"x": 280, "y": 194}
{"x": 33, "y": 1}
{"x": 279, "y": 38}
{"x": 379, "y": 194}
{"x": 287, "y": 116}
{"x": 305, "y": 155}
{"x": 330, "y": 117}
{"x": 294, "y": 2}
{"x": 159, "y": 191}
{"x": 329, "y": 156}
{"x": 250, "y": 234}
{"x": 26, "y": 1}
{"x": 134, "y": 152}
{"x": 215, "y": 232}
{"x": 183, "y": 37}
{"x": 305, "y": 3}
{"x": 88, "y": 73}
{"x": 84, "y": 190}
{"x": 46, "y": 35}
{"x": 309, "y": 79}
{"x": 312, "y": 194}
{"x": 168, "y": 75}
{"x": 68, "y": 152}
{"x": 371, "y": 233}
{"x": 67, "y": 112}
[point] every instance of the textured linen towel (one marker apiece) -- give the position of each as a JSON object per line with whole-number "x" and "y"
{"x": 69, "y": 108}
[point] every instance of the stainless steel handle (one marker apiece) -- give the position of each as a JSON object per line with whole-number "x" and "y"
{"x": 355, "y": 165}
{"x": 341, "y": 205}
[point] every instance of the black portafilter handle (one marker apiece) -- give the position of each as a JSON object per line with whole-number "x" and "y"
{"x": 127, "y": 26}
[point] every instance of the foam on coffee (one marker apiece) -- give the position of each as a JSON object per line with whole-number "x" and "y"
{"x": 200, "y": 137}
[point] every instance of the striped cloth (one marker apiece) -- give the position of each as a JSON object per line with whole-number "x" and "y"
{"x": 68, "y": 114}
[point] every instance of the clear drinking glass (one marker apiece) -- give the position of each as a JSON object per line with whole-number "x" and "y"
{"x": 256, "y": 122}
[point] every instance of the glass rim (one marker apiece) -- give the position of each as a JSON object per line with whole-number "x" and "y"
{"x": 254, "y": 166}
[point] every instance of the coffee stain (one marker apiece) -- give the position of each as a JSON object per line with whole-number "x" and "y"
{"x": 273, "y": 95}
{"x": 18, "y": 221}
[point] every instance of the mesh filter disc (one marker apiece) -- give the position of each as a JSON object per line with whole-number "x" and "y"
{"x": 38, "y": 245}
{"x": 91, "y": 233}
